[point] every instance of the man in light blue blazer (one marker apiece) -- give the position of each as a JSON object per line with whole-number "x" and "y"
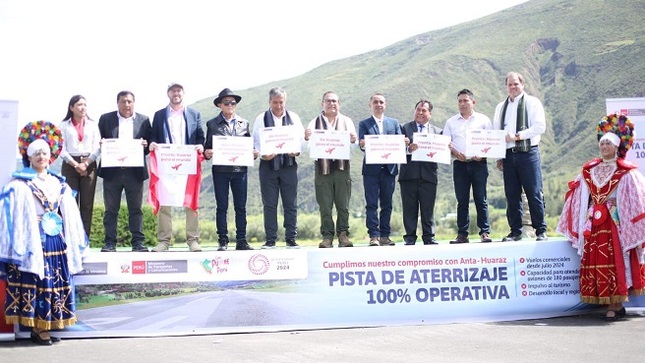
{"x": 378, "y": 179}
{"x": 177, "y": 124}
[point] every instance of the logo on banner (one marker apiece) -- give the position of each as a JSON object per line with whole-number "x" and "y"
{"x": 216, "y": 265}
{"x": 138, "y": 267}
{"x": 258, "y": 264}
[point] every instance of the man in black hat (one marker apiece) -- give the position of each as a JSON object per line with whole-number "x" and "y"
{"x": 235, "y": 177}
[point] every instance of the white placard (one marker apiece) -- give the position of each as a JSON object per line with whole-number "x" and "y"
{"x": 385, "y": 149}
{"x": 232, "y": 150}
{"x": 634, "y": 109}
{"x": 431, "y": 147}
{"x": 486, "y": 144}
{"x": 330, "y": 144}
{"x": 121, "y": 153}
{"x": 280, "y": 140}
{"x": 174, "y": 159}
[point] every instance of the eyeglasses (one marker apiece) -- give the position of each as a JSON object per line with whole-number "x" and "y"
{"x": 229, "y": 103}
{"x": 331, "y": 101}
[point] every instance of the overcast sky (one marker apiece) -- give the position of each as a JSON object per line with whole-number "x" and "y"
{"x": 52, "y": 50}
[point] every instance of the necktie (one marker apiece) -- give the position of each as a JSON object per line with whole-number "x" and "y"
{"x": 420, "y": 128}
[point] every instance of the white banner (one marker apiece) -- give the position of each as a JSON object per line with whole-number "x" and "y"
{"x": 121, "y": 153}
{"x": 173, "y": 159}
{"x": 329, "y": 144}
{"x": 432, "y": 147}
{"x": 439, "y": 284}
{"x": 356, "y": 287}
{"x": 280, "y": 140}
{"x": 634, "y": 109}
{"x": 486, "y": 144}
{"x": 232, "y": 150}
{"x": 385, "y": 149}
{"x": 8, "y": 140}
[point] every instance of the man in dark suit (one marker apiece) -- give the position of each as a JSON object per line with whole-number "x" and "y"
{"x": 180, "y": 125}
{"x": 124, "y": 124}
{"x": 418, "y": 180}
{"x": 378, "y": 179}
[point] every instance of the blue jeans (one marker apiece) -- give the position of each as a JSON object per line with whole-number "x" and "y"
{"x": 524, "y": 171}
{"x": 237, "y": 182}
{"x": 466, "y": 175}
{"x": 378, "y": 188}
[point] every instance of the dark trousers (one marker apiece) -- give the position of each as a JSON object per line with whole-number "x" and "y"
{"x": 113, "y": 187}
{"x": 467, "y": 175}
{"x": 524, "y": 170}
{"x": 418, "y": 195}
{"x": 283, "y": 183}
{"x": 85, "y": 186}
{"x": 237, "y": 182}
{"x": 378, "y": 189}
{"x": 333, "y": 189}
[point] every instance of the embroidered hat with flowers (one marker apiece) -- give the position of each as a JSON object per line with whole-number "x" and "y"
{"x": 44, "y": 130}
{"x": 622, "y": 127}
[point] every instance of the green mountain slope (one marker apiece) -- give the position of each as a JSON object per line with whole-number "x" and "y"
{"x": 573, "y": 54}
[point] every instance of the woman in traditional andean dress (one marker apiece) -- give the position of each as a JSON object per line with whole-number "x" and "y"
{"x": 604, "y": 218}
{"x": 41, "y": 244}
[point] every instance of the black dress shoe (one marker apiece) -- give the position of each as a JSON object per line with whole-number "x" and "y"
{"x": 291, "y": 243}
{"x": 243, "y": 247}
{"x": 35, "y": 338}
{"x": 408, "y": 243}
{"x": 139, "y": 248}
{"x": 512, "y": 237}
{"x": 461, "y": 238}
{"x": 108, "y": 248}
{"x": 432, "y": 241}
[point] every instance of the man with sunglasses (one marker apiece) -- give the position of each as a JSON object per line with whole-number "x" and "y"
{"x": 225, "y": 177}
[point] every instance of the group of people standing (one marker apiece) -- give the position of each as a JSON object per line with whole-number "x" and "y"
{"x": 520, "y": 115}
{"x": 43, "y": 235}
{"x": 522, "y": 118}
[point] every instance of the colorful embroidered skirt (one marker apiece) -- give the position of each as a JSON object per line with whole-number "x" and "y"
{"x": 46, "y": 303}
{"x": 603, "y": 272}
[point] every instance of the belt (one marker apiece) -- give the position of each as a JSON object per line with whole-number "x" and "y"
{"x": 81, "y": 157}
{"x": 482, "y": 160}
{"x": 516, "y": 150}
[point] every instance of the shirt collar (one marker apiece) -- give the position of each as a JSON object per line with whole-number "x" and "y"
{"x": 121, "y": 118}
